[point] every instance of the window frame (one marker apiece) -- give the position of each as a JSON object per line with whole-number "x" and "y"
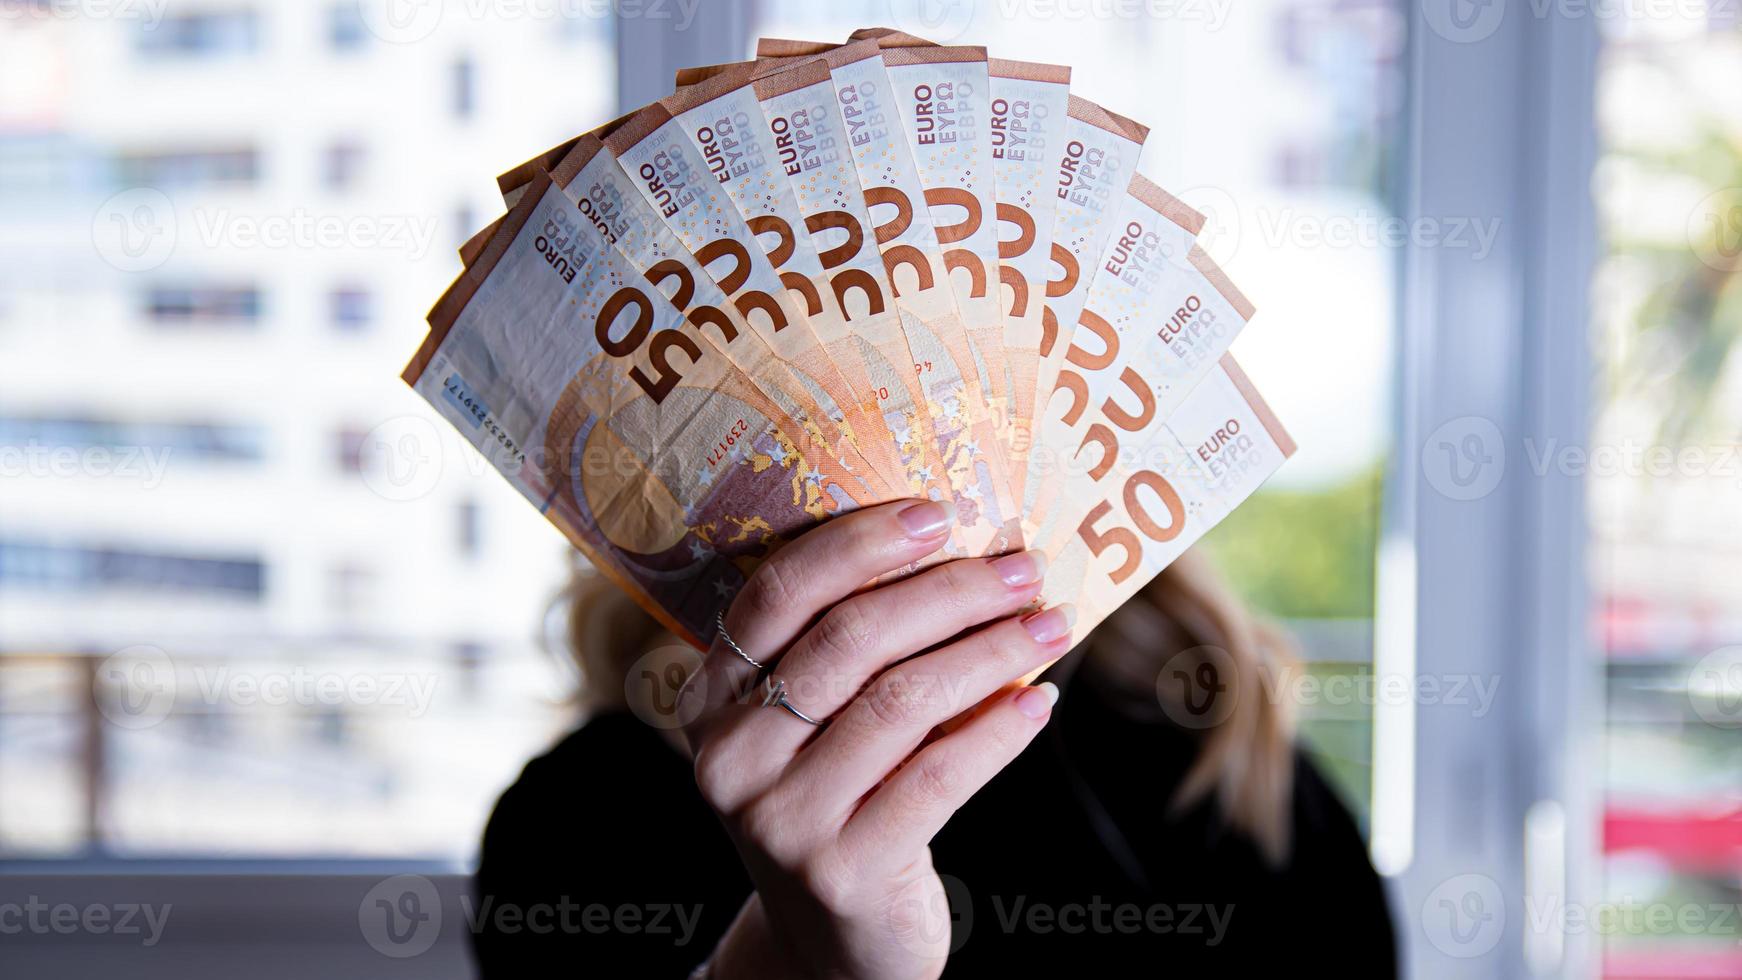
{"x": 1494, "y": 586}
{"x": 1505, "y": 130}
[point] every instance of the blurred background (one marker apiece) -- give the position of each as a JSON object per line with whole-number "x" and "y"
{"x": 271, "y": 636}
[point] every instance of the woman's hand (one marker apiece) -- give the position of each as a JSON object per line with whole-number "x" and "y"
{"x": 834, "y": 823}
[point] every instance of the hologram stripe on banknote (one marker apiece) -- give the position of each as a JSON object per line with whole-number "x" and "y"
{"x": 1030, "y": 104}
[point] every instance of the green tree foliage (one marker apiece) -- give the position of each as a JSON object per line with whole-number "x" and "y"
{"x": 1304, "y": 554}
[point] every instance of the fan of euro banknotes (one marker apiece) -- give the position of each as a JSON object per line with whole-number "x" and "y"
{"x": 841, "y": 274}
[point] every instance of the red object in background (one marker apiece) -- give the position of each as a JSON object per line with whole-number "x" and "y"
{"x": 1709, "y": 841}
{"x": 1669, "y": 963}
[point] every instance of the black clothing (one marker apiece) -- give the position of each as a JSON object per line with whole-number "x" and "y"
{"x": 1067, "y": 861}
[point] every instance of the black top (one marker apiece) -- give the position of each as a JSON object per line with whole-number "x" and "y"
{"x": 1068, "y": 860}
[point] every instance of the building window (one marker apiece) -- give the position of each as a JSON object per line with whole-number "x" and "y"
{"x": 465, "y": 84}
{"x": 342, "y": 164}
{"x": 203, "y": 305}
{"x": 166, "y": 169}
{"x": 350, "y": 590}
{"x": 348, "y": 449}
{"x": 469, "y": 523}
{"x": 53, "y": 567}
{"x": 200, "y": 34}
{"x": 464, "y": 224}
{"x": 351, "y": 308}
{"x": 345, "y": 28}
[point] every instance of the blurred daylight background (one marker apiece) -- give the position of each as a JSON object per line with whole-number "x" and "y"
{"x": 1495, "y": 248}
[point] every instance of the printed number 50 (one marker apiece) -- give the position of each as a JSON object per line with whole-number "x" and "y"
{"x": 1100, "y": 541}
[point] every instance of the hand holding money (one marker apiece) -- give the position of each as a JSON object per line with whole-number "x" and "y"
{"x": 843, "y": 275}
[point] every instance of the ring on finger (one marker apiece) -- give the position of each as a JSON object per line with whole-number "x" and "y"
{"x": 731, "y": 644}
{"x": 775, "y": 697}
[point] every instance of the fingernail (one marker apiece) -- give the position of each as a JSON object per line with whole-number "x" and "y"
{"x": 1051, "y": 624}
{"x": 1023, "y": 568}
{"x": 1038, "y": 700}
{"x": 928, "y": 520}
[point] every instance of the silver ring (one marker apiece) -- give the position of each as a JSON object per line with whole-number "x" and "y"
{"x": 776, "y": 698}
{"x": 720, "y": 629}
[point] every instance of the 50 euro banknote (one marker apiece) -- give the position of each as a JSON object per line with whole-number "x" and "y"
{"x": 619, "y": 417}
{"x": 1161, "y": 490}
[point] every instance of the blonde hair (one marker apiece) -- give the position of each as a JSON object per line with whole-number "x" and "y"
{"x": 1182, "y": 620}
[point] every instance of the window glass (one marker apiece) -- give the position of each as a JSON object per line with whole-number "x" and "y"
{"x": 239, "y": 617}
{"x": 1662, "y": 477}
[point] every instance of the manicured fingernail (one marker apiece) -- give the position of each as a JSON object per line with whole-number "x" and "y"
{"x": 1022, "y": 568}
{"x": 928, "y": 520}
{"x": 1051, "y": 624}
{"x": 1038, "y": 700}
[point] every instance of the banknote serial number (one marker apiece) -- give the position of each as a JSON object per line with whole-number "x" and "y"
{"x": 463, "y": 397}
{"x": 730, "y": 441}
